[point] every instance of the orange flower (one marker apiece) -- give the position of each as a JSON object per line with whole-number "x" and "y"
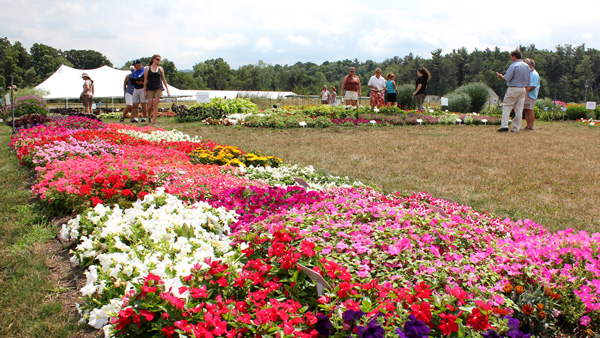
{"x": 527, "y": 309}
{"x": 501, "y": 311}
{"x": 542, "y": 314}
{"x": 508, "y": 288}
{"x": 555, "y": 296}
{"x": 520, "y": 289}
{"x": 540, "y": 307}
{"x": 547, "y": 291}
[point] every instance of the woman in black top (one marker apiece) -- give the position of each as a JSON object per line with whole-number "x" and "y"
{"x": 153, "y": 85}
{"x": 421, "y": 87}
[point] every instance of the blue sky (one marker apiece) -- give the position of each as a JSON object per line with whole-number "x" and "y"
{"x": 285, "y": 32}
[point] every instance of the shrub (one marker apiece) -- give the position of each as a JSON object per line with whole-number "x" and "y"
{"x": 405, "y": 96}
{"x": 26, "y": 105}
{"x": 459, "y": 102}
{"x": 199, "y": 113}
{"x": 577, "y": 112}
{"x": 479, "y": 94}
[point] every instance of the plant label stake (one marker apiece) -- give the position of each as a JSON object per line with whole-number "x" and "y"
{"x": 420, "y": 121}
{"x": 484, "y": 121}
{"x": 302, "y": 124}
{"x": 321, "y": 282}
{"x": 218, "y": 227}
{"x": 373, "y": 122}
{"x": 301, "y": 182}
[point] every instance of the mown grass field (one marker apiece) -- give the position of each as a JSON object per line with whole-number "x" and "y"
{"x": 549, "y": 175}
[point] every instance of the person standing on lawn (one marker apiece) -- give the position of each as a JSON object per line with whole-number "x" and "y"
{"x": 377, "y": 85}
{"x": 333, "y": 95}
{"x": 137, "y": 79}
{"x": 391, "y": 89}
{"x": 351, "y": 88}
{"x": 87, "y": 95}
{"x": 153, "y": 85}
{"x": 324, "y": 95}
{"x": 128, "y": 90}
{"x": 421, "y": 87}
{"x": 532, "y": 93}
{"x": 517, "y": 79}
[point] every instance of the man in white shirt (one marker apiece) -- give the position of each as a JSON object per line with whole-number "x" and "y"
{"x": 377, "y": 85}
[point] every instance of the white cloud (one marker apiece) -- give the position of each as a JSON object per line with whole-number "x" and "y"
{"x": 263, "y": 44}
{"x": 299, "y": 40}
{"x": 224, "y": 42}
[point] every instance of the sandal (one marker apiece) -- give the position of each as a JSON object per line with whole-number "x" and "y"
{"x": 122, "y": 120}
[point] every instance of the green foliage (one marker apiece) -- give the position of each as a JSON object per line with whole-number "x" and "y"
{"x": 199, "y": 113}
{"x": 287, "y": 121}
{"x": 577, "y": 112}
{"x": 217, "y": 109}
{"x": 86, "y": 59}
{"x": 459, "y": 102}
{"x": 479, "y": 94}
{"x": 232, "y": 106}
{"x": 405, "y": 96}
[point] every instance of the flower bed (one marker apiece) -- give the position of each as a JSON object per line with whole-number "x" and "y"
{"x": 174, "y": 248}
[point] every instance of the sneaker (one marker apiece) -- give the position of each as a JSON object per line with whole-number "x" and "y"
{"x": 143, "y": 120}
{"x": 501, "y": 130}
{"x": 122, "y": 120}
{"x": 514, "y": 131}
{"x": 134, "y": 120}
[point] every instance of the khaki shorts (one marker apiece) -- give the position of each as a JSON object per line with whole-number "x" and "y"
{"x": 138, "y": 96}
{"x": 529, "y": 103}
{"x": 152, "y": 94}
{"x": 351, "y": 95}
{"x": 87, "y": 100}
{"x": 128, "y": 99}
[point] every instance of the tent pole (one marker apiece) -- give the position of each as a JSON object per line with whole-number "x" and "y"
{"x": 67, "y": 102}
{"x": 112, "y": 98}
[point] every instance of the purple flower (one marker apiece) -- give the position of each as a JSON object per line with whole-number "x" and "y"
{"x": 414, "y": 328}
{"x": 513, "y": 323}
{"x": 323, "y": 325}
{"x": 490, "y": 334}
{"x": 351, "y": 315}
{"x": 373, "y": 330}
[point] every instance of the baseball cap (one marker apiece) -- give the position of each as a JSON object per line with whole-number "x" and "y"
{"x": 137, "y": 61}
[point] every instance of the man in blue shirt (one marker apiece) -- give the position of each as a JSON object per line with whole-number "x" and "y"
{"x": 517, "y": 79}
{"x": 137, "y": 79}
{"x": 532, "y": 93}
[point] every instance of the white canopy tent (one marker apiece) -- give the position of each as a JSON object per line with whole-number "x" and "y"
{"x": 66, "y": 83}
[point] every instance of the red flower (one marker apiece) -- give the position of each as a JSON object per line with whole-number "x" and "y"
{"x": 168, "y": 331}
{"x": 183, "y": 325}
{"x": 478, "y": 320}
{"x": 448, "y": 323}
{"x": 344, "y": 288}
{"x": 423, "y": 290}
{"x": 126, "y": 192}
{"x": 421, "y": 311}
{"x": 147, "y": 315}
{"x": 96, "y": 200}
{"x": 307, "y": 248}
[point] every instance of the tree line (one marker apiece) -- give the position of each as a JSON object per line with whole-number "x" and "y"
{"x": 568, "y": 73}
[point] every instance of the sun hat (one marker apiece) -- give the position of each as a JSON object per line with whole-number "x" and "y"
{"x": 85, "y": 75}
